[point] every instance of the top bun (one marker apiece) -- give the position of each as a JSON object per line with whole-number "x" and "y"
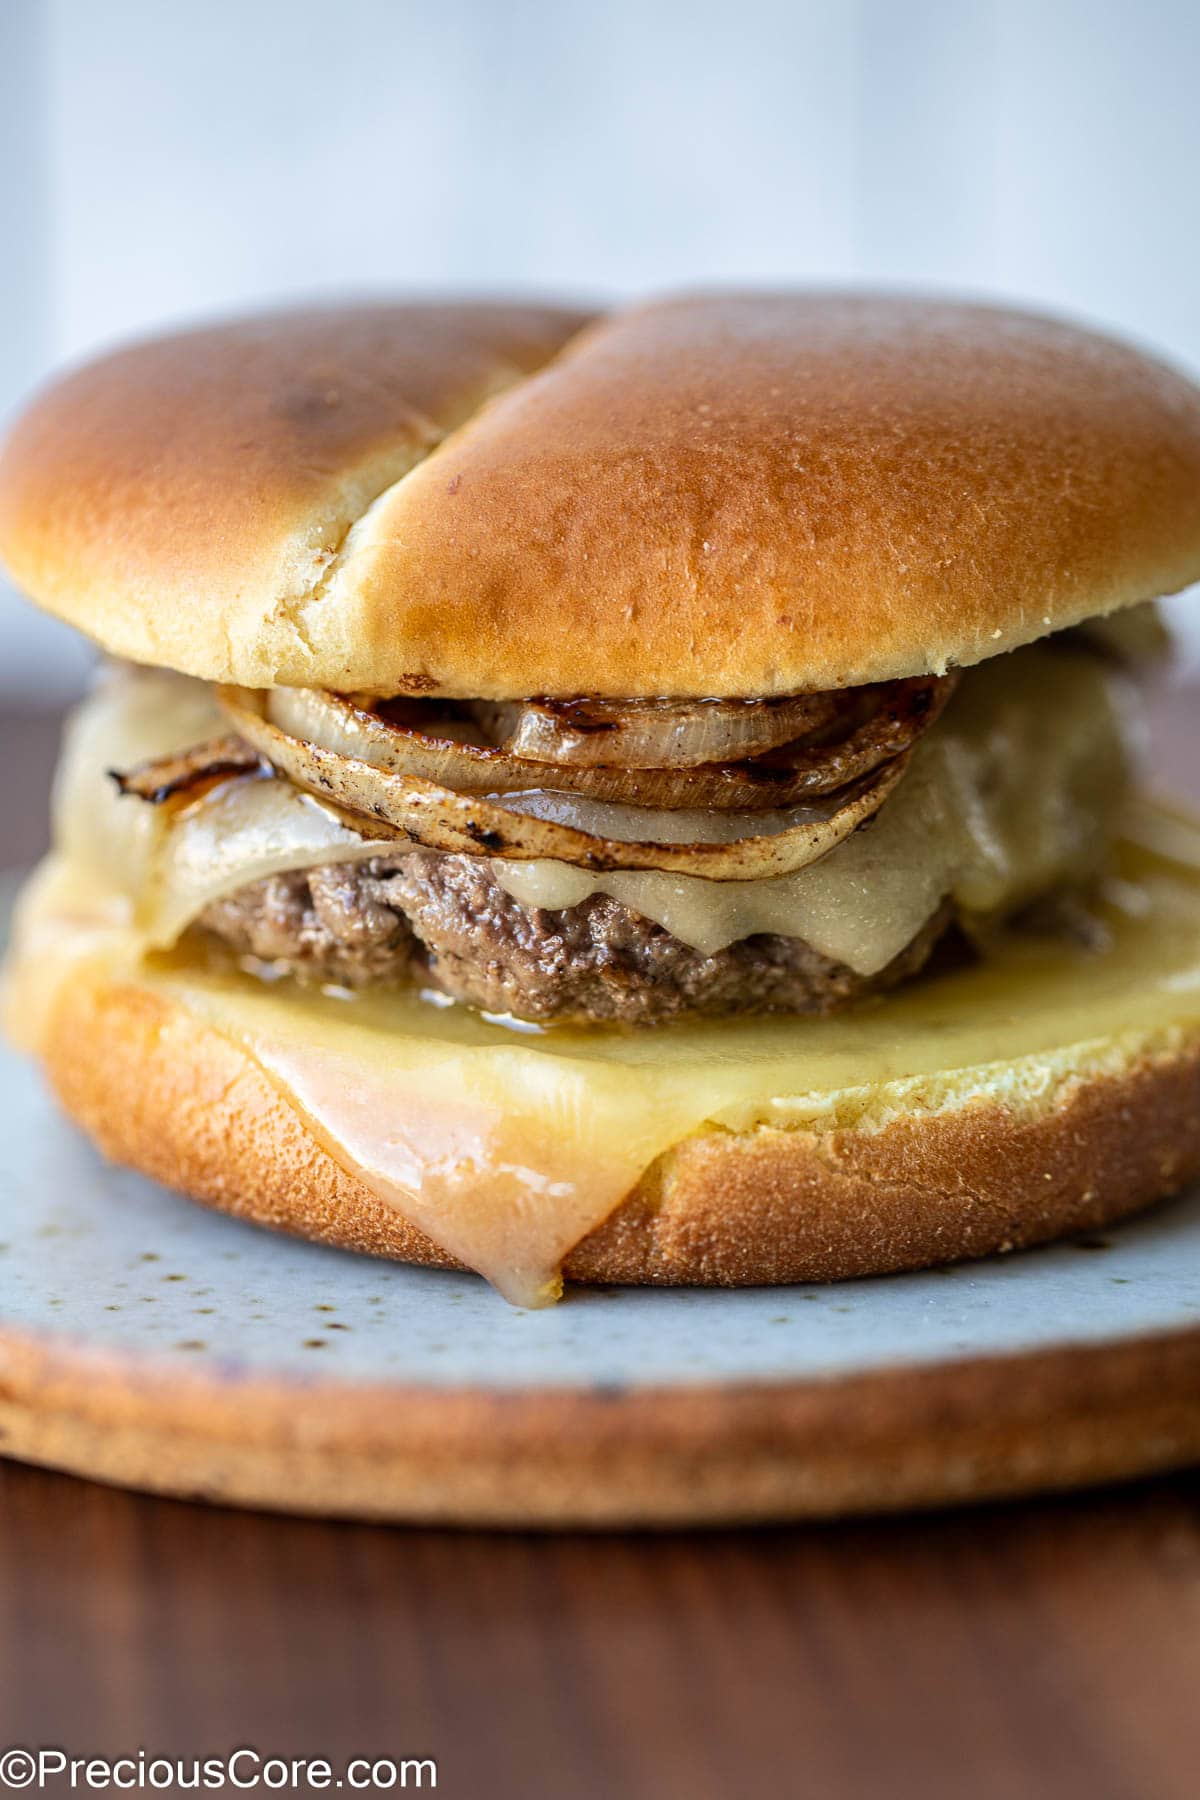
{"x": 739, "y": 494}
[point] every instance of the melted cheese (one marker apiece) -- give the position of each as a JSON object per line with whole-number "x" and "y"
{"x": 1014, "y": 791}
{"x": 170, "y": 864}
{"x": 506, "y": 1150}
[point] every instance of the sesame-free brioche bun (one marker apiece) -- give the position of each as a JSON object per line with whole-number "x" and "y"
{"x": 740, "y": 494}
{"x": 1059, "y": 1144}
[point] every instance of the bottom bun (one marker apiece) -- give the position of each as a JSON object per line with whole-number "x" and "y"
{"x": 1038, "y": 1090}
{"x": 191, "y": 1107}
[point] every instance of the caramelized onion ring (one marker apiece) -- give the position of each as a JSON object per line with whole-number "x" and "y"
{"x": 785, "y": 777}
{"x": 421, "y": 811}
{"x": 654, "y": 734}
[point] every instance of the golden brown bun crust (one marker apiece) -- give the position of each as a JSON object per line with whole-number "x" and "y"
{"x": 728, "y": 495}
{"x": 192, "y": 1109}
{"x": 175, "y": 498}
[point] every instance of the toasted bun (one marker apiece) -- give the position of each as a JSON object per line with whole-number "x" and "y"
{"x": 191, "y": 1108}
{"x": 748, "y": 494}
{"x": 181, "y": 499}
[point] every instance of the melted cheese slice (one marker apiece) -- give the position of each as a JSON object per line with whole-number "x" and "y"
{"x": 507, "y": 1149}
{"x": 1013, "y": 791}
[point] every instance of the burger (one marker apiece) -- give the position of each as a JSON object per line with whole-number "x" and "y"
{"x": 649, "y": 798}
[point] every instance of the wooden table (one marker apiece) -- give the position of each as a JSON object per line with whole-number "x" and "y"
{"x": 1034, "y": 1650}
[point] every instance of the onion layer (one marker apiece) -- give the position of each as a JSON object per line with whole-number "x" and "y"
{"x": 412, "y": 742}
{"x": 654, "y": 734}
{"x": 180, "y": 777}
{"x": 414, "y": 808}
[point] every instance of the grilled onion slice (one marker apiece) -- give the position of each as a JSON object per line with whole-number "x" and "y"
{"x": 414, "y": 808}
{"x": 415, "y": 740}
{"x": 655, "y": 734}
{"x": 179, "y": 777}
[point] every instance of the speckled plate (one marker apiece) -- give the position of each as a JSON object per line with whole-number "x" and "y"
{"x": 146, "y": 1341}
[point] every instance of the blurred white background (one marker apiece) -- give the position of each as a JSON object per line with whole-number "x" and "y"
{"x": 159, "y": 160}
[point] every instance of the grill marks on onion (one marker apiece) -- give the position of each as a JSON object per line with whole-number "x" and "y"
{"x": 184, "y": 776}
{"x": 851, "y": 735}
{"x": 449, "y": 776}
{"x": 438, "y": 785}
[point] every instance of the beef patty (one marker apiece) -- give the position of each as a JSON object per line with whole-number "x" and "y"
{"x": 446, "y": 922}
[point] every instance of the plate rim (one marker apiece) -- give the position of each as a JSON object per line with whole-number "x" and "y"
{"x": 967, "y": 1429}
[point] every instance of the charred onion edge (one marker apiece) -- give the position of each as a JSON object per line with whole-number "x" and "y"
{"x": 417, "y": 811}
{"x": 163, "y": 778}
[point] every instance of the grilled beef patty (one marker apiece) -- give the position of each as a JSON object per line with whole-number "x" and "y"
{"x": 445, "y": 922}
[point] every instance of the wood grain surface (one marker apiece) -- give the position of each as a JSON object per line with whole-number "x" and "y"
{"x": 1041, "y": 1649}
{"x": 1049, "y": 1649}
